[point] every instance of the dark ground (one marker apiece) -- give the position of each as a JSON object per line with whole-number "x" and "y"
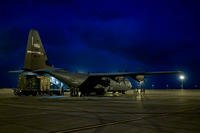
{"x": 156, "y": 111}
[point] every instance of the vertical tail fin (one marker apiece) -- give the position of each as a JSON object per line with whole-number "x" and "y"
{"x": 35, "y": 57}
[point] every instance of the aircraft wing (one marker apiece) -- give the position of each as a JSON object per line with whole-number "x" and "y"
{"x": 134, "y": 73}
{"x": 96, "y": 78}
{"x": 139, "y": 76}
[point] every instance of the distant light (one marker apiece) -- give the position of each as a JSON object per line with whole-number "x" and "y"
{"x": 182, "y": 77}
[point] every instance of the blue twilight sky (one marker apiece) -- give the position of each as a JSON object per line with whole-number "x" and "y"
{"x": 105, "y": 36}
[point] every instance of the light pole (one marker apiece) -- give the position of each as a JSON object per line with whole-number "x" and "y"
{"x": 182, "y": 78}
{"x": 167, "y": 86}
{"x": 152, "y": 86}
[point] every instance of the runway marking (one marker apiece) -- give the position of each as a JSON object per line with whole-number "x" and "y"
{"x": 24, "y": 115}
{"x": 97, "y": 125}
{"x": 118, "y": 122}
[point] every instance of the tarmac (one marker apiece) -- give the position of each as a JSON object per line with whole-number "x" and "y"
{"x": 155, "y": 111}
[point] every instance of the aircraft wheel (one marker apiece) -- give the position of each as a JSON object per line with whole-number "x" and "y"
{"x": 76, "y": 92}
{"x": 100, "y": 92}
{"x": 18, "y": 94}
{"x": 26, "y": 93}
{"x": 82, "y": 94}
{"x": 34, "y": 93}
{"x": 72, "y": 92}
{"x": 50, "y": 93}
{"x": 62, "y": 92}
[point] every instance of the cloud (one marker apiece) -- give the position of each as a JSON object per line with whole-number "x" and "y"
{"x": 103, "y": 35}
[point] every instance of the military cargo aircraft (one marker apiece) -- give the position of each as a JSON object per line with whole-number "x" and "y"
{"x": 36, "y": 63}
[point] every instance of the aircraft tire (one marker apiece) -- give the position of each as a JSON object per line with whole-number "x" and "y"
{"x": 76, "y": 92}
{"x": 100, "y": 92}
{"x": 34, "y": 93}
{"x": 71, "y": 92}
{"x": 26, "y": 93}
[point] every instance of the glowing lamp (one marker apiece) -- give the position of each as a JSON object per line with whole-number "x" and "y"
{"x": 182, "y": 77}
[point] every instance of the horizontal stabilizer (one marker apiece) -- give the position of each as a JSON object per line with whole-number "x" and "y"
{"x": 16, "y": 71}
{"x": 50, "y": 69}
